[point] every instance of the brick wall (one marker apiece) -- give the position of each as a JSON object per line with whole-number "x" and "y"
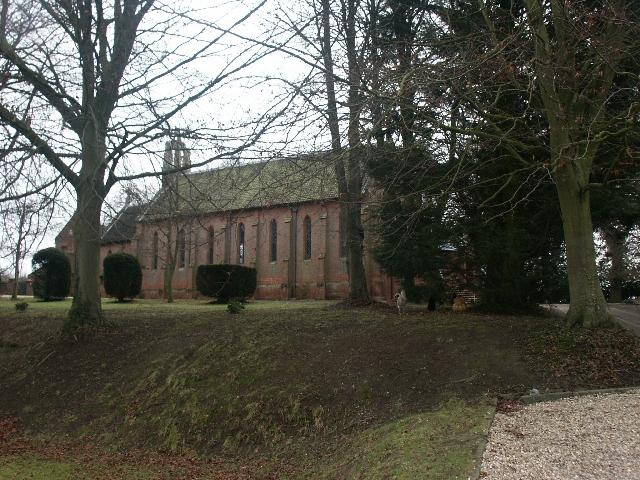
{"x": 287, "y": 275}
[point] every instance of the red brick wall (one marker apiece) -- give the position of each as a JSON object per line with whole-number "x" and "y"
{"x": 323, "y": 276}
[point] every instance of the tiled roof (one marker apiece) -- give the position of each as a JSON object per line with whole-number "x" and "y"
{"x": 275, "y": 182}
{"x": 124, "y": 226}
{"x": 67, "y": 231}
{"x": 63, "y": 236}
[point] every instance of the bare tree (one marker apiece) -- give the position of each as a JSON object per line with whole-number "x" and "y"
{"x": 329, "y": 41}
{"x": 175, "y": 224}
{"x": 100, "y": 83}
{"x": 348, "y": 163}
{"x": 573, "y": 107}
{"x": 174, "y": 214}
{"x": 25, "y": 222}
{"x": 28, "y": 207}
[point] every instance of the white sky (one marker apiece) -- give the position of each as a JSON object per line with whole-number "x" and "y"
{"x": 246, "y": 96}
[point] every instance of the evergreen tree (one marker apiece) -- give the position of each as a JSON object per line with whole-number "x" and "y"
{"x": 52, "y": 274}
{"x": 122, "y": 275}
{"x": 412, "y": 231}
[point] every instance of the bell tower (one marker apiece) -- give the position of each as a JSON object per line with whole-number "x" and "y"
{"x": 176, "y": 155}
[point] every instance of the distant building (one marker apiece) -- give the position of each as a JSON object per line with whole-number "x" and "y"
{"x": 5, "y": 288}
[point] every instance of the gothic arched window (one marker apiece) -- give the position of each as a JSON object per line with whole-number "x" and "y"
{"x": 211, "y": 239}
{"x": 274, "y": 241}
{"x": 182, "y": 249}
{"x": 156, "y": 250}
{"x": 307, "y": 238}
{"x": 241, "y": 243}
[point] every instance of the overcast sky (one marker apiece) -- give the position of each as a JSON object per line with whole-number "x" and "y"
{"x": 249, "y": 94}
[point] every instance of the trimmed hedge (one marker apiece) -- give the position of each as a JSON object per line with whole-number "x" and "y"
{"x": 122, "y": 275}
{"x": 226, "y": 281}
{"x": 51, "y": 274}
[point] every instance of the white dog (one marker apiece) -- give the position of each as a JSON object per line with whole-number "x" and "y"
{"x": 401, "y": 301}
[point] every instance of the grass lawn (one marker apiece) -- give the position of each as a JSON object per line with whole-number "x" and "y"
{"x": 298, "y": 389}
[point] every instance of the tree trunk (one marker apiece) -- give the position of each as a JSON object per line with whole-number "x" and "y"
{"x": 90, "y": 190}
{"x": 168, "y": 283}
{"x": 355, "y": 266}
{"x": 355, "y": 233}
{"x": 14, "y": 293}
{"x": 615, "y": 242}
{"x": 349, "y": 186}
{"x": 86, "y": 306}
{"x": 588, "y": 306}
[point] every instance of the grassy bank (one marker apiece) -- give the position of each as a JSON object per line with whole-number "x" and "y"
{"x": 304, "y": 389}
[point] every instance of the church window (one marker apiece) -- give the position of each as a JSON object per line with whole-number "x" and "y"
{"x": 307, "y": 237}
{"x": 274, "y": 240}
{"x": 155, "y": 250}
{"x": 211, "y": 240}
{"x": 241, "y": 243}
{"x": 182, "y": 248}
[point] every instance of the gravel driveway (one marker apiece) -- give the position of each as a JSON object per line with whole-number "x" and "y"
{"x": 588, "y": 437}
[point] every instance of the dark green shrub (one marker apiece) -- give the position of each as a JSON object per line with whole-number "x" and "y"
{"x": 21, "y": 306}
{"x": 122, "y": 275}
{"x": 235, "y": 306}
{"x": 226, "y": 281}
{"x": 51, "y": 274}
{"x": 417, "y": 293}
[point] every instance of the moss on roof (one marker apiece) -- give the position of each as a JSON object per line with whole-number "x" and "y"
{"x": 254, "y": 185}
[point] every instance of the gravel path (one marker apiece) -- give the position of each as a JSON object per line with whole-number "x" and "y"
{"x": 590, "y": 437}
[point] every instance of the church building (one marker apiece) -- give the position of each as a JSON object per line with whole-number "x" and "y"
{"x": 281, "y": 217}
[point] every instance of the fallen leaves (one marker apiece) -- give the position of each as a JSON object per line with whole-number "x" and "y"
{"x": 594, "y": 358}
